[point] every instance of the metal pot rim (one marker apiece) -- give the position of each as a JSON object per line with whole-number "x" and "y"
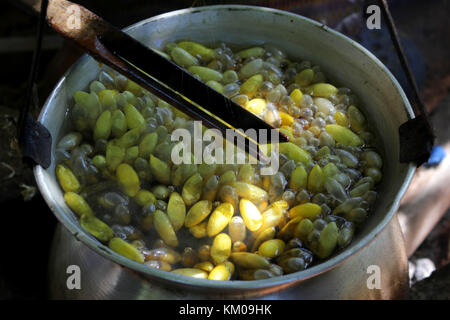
{"x": 284, "y": 280}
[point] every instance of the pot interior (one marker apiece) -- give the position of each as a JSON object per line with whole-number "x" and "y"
{"x": 342, "y": 60}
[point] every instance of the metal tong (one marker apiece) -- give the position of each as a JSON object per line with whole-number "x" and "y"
{"x": 165, "y": 79}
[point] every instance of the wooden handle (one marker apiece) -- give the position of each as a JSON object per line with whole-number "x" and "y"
{"x": 82, "y": 26}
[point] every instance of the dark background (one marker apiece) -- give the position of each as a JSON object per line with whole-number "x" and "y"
{"x": 26, "y": 224}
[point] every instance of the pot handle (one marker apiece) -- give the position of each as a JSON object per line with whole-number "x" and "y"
{"x": 416, "y": 134}
{"x": 35, "y": 140}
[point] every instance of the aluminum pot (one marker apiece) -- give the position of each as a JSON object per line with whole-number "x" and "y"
{"x": 346, "y": 275}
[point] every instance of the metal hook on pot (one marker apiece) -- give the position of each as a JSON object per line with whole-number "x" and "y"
{"x": 416, "y": 135}
{"x": 34, "y": 139}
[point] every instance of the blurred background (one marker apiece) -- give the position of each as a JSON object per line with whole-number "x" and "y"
{"x": 27, "y": 224}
